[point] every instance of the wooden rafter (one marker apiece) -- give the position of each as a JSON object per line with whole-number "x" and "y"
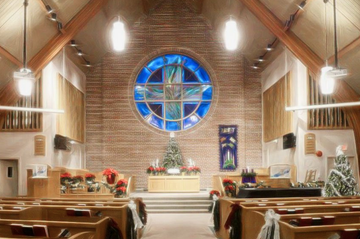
{"x": 10, "y": 57}
{"x": 54, "y": 46}
{"x": 343, "y": 93}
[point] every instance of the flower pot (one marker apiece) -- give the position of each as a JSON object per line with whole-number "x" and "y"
{"x": 110, "y": 178}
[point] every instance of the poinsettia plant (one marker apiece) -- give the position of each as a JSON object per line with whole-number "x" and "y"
{"x": 110, "y": 171}
{"x": 65, "y": 177}
{"x": 120, "y": 191}
{"x": 183, "y": 169}
{"x": 89, "y": 177}
{"x": 150, "y": 170}
{"x": 78, "y": 178}
{"x": 121, "y": 183}
{"x": 227, "y": 182}
{"x": 229, "y": 189}
{"x": 214, "y": 192}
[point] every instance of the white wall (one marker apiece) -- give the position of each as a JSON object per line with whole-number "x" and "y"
{"x": 326, "y": 140}
{"x": 21, "y": 145}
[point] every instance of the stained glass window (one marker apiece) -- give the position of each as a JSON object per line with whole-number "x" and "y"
{"x": 173, "y": 92}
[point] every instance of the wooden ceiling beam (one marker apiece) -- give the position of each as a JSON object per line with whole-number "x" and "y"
{"x": 288, "y": 38}
{"x": 343, "y": 93}
{"x": 10, "y": 57}
{"x": 54, "y": 46}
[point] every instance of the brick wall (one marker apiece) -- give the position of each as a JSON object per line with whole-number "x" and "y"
{"x": 116, "y": 135}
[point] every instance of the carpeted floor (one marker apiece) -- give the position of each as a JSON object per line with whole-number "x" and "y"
{"x": 178, "y": 226}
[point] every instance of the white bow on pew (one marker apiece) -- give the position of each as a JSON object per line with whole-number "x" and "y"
{"x": 136, "y": 218}
{"x": 271, "y": 228}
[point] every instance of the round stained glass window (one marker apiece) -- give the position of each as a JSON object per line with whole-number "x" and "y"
{"x": 173, "y": 92}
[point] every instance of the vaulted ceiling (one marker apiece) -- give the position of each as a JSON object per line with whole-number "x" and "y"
{"x": 308, "y": 26}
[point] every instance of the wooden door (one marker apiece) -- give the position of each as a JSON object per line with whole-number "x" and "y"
{"x": 9, "y": 178}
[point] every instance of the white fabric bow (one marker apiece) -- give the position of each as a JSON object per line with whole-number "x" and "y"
{"x": 136, "y": 218}
{"x": 215, "y": 198}
{"x": 271, "y": 219}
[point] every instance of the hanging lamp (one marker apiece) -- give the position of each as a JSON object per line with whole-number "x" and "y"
{"x": 231, "y": 35}
{"x": 118, "y": 35}
{"x": 328, "y": 73}
{"x": 24, "y": 78}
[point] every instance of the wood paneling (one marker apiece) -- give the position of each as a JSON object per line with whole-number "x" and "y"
{"x": 276, "y": 121}
{"x": 72, "y": 123}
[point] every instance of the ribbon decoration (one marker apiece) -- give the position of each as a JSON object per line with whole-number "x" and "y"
{"x": 235, "y": 208}
{"x": 136, "y": 218}
{"x": 270, "y": 230}
{"x": 215, "y": 198}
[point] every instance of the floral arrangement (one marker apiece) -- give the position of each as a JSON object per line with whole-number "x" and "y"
{"x": 229, "y": 186}
{"x": 214, "y": 192}
{"x": 89, "y": 177}
{"x": 160, "y": 170}
{"x": 227, "y": 182}
{"x": 229, "y": 189}
{"x": 65, "y": 177}
{"x": 78, "y": 178}
{"x": 121, "y": 183}
{"x": 120, "y": 191}
{"x": 150, "y": 170}
{"x": 194, "y": 169}
{"x": 109, "y": 171}
{"x": 183, "y": 169}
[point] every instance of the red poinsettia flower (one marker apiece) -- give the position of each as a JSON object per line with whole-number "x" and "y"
{"x": 121, "y": 189}
{"x": 215, "y": 192}
{"x": 110, "y": 171}
{"x": 150, "y": 169}
{"x": 183, "y": 169}
{"x": 65, "y": 175}
{"x": 78, "y": 178}
{"x": 89, "y": 176}
{"x": 157, "y": 169}
{"x": 162, "y": 169}
{"x": 122, "y": 183}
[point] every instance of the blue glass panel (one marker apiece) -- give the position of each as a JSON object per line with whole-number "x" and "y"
{"x": 189, "y": 77}
{"x": 143, "y": 75}
{"x": 139, "y": 92}
{"x": 203, "y": 109}
{"x": 173, "y": 111}
{"x": 207, "y": 92}
{"x": 191, "y": 121}
{"x": 156, "y": 121}
{"x": 157, "y": 108}
{"x": 173, "y": 59}
{"x": 202, "y": 75}
{"x": 190, "y": 63}
{"x": 173, "y": 74}
{"x": 173, "y": 125}
{"x": 189, "y": 107}
{"x": 156, "y": 77}
{"x": 143, "y": 109}
{"x": 154, "y": 92}
{"x": 156, "y": 63}
{"x": 191, "y": 92}
{"x": 173, "y": 92}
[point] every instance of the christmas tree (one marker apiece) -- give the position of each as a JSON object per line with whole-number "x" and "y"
{"x": 172, "y": 157}
{"x": 341, "y": 181}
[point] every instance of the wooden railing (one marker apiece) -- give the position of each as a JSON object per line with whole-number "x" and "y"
{"x": 331, "y": 118}
{"x": 21, "y": 121}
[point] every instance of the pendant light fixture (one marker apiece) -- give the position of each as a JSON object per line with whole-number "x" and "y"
{"x": 118, "y": 35}
{"x": 328, "y": 73}
{"x": 231, "y": 35}
{"x": 24, "y": 78}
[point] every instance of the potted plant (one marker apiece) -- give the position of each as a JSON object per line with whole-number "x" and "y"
{"x": 230, "y": 190}
{"x": 183, "y": 170}
{"x": 120, "y": 192}
{"x": 150, "y": 170}
{"x": 110, "y": 175}
{"x": 65, "y": 178}
{"x": 122, "y": 183}
{"x": 89, "y": 177}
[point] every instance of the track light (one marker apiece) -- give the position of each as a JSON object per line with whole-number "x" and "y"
{"x": 87, "y": 64}
{"x": 260, "y": 59}
{"x": 79, "y": 53}
{"x": 231, "y": 35}
{"x": 59, "y": 26}
{"x": 302, "y": 5}
{"x": 53, "y": 17}
{"x": 73, "y": 43}
{"x": 118, "y": 35}
{"x": 49, "y": 9}
{"x": 269, "y": 47}
{"x": 255, "y": 66}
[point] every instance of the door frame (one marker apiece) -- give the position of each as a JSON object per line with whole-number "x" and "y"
{"x": 18, "y": 172}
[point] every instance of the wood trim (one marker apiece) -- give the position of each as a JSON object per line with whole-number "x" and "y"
{"x": 10, "y": 57}
{"x": 54, "y": 46}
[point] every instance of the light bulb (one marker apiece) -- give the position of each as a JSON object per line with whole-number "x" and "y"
{"x": 326, "y": 83}
{"x": 25, "y": 80}
{"x": 118, "y": 36}
{"x": 231, "y": 35}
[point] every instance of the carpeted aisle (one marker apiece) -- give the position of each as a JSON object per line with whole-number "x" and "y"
{"x": 178, "y": 226}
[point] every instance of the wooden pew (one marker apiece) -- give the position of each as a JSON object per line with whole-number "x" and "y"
{"x": 97, "y": 229}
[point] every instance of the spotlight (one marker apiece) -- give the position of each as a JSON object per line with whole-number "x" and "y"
{"x": 260, "y": 59}
{"x": 79, "y": 53}
{"x": 255, "y": 66}
{"x": 49, "y": 9}
{"x": 302, "y": 5}
{"x": 87, "y": 64}
{"x": 73, "y": 43}
{"x": 59, "y": 26}
{"x": 269, "y": 47}
{"x": 53, "y": 17}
